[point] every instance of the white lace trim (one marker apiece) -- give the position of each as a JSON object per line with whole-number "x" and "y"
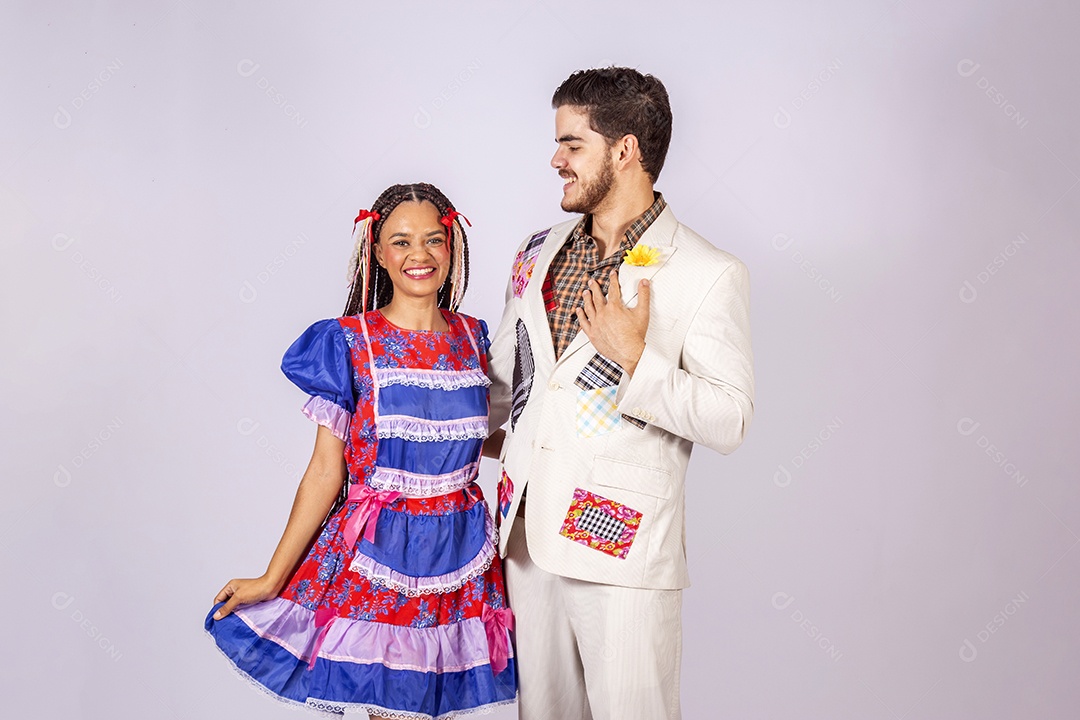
{"x": 416, "y": 485}
{"x": 410, "y": 586}
{"x": 342, "y": 708}
{"x": 334, "y": 709}
{"x": 262, "y": 688}
{"x": 432, "y": 379}
{"x": 422, "y": 430}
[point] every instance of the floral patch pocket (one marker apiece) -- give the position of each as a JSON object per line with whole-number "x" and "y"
{"x": 525, "y": 262}
{"x": 601, "y": 524}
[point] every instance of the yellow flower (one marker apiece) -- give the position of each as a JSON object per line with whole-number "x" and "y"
{"x": 642, "y": 255}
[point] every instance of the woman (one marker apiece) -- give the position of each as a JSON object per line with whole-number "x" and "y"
{"x": 399, "y": 607}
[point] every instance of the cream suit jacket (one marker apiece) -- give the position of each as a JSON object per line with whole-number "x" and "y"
{"x": 624, "y": 484}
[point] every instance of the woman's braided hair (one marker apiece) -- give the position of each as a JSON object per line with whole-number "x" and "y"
{"x": 380, "y": 287}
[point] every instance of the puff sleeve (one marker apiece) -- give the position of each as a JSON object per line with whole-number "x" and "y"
{"x": 320, "y": 364}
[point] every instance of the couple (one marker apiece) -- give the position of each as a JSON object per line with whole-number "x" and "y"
{"x": 624, "y": 341}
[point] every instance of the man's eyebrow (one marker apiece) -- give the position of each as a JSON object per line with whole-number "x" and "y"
{"x": 570, "y": 138}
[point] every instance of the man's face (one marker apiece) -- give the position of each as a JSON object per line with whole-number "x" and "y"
{"x": 583, "y": 160}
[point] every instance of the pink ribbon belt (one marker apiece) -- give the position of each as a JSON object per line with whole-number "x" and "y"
{"x": 497, "y": 623}
{"x": 366, "y": 515}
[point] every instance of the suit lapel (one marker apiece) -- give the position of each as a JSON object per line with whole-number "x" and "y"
{"x": 539, "y": 329}
{"x": 659, "y": 235}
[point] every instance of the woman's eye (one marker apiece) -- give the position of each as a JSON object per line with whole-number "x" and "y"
{"x": 436, "y": 241}
{"x": 401, "y": 243}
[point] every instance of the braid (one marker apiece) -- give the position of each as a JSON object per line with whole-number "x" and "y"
{"x": 380, "y": 287}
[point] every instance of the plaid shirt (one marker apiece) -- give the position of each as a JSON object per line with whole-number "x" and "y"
{"x": 576, "y": 263}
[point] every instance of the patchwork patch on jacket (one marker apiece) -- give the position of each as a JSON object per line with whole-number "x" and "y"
{"x": 524, "y": 370}
{"x": 601, "y": 524}
{"x": 597, "y": 412}
{"x": 525, "y": 262}
{"x": 602, "y": 372}
{"x": 506, "y": 495}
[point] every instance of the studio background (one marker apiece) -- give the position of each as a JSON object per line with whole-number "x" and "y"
{"x": 895, "y": 539}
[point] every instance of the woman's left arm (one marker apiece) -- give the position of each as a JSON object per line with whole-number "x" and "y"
{"x": 318, "y": 489}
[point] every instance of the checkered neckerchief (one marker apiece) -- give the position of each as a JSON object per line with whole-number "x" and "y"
{"x": 576, "y": 262}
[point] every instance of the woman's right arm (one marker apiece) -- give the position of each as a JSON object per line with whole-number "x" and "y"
{"x": 318, "y": 489}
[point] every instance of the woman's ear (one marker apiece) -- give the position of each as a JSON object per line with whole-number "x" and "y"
{"x": 377, "y": 247}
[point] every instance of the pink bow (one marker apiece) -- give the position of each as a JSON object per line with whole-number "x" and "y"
{"x": 367, "y": 515}
{"x": 497, "y": 623}
{"x": 324, "y": 618}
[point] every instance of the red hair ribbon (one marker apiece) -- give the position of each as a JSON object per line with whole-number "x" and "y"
{"x": 448, "y": 218}
{"x": 364, "y": 215}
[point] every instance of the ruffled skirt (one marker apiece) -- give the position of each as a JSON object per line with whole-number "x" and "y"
{"x": 410, "y": 632}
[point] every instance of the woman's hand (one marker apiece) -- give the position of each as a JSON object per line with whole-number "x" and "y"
{"x": 244, "y": 591}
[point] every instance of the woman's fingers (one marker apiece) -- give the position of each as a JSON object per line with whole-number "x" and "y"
{"x": 227, "y": 608}
{"x": 226, "y": 592}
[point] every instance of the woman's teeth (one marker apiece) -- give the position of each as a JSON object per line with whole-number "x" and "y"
{"x": 420, "y": 272}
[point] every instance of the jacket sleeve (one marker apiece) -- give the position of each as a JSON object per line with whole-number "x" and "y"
{"x": 707, "y": 394}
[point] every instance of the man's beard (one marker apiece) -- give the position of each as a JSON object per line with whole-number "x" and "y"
{"x": 592, "y": 193}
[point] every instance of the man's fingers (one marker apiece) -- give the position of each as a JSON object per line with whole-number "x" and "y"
{"x": 588, "y": 302}
{"x": 583, "y": 322}
{"x": 614, "y": 289}
{"x": 644, "y": 291}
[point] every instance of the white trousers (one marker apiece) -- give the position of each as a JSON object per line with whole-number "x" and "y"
{"x": 587, "y": 651}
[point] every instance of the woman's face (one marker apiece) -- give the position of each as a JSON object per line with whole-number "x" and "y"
{"x": 414, "y": 248}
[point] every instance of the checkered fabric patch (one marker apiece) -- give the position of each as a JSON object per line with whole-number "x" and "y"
{"x": 601, "y": 523}
{"x": 597, "y": 412}
{"x": 599, "y": 372}
{"x": 525, "y": 262}
{"x": 524, "y": 369}
{"x": 536, "y": 241}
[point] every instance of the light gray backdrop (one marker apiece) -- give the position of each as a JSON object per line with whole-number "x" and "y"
{"x": 896, "y": 538}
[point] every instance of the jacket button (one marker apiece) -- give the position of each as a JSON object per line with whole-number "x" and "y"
{"x": 554, "y": 384}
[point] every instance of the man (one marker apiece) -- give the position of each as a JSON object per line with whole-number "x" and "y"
{"x": 609, "y": 366}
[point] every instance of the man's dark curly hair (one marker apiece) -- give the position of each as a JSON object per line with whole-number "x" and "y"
{"x": 621, "y": 101}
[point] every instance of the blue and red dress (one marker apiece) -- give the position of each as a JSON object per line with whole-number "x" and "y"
{"x": 399, "y": 607}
